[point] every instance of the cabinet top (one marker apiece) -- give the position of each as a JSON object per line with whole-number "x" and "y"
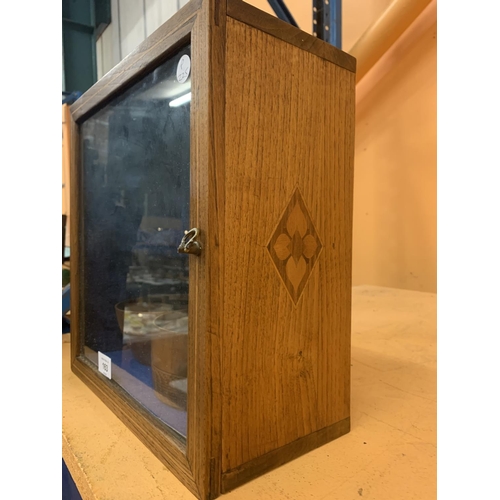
{"x": 248, "y": 14}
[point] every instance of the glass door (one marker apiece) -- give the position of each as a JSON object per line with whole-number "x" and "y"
{"x": 136, "y": 189}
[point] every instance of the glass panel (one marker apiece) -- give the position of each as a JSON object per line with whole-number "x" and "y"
{"x": 136, "y": 206}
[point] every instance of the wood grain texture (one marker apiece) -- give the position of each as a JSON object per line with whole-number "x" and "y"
{"x": 188, "y": 461}
{"x": 165, "y": 445}
{"x": 281, "y": 456}
{"x": 271, "y": 156}
{"x": 246, "y": 13}
{"x": 75, "y": 241}
{"x": 171, "y": 35}
{"x": 207, "y": 205}
{"x": 216, "y": 199}
{"x": 390, "y": 451}
{"x": 289, "y": 123}
{"x": 66, "y": 168}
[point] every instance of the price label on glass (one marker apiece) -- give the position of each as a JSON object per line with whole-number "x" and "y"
{"x": 104, "y": 364}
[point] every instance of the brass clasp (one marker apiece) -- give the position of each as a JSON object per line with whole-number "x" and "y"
{"x": 189, "y": 243}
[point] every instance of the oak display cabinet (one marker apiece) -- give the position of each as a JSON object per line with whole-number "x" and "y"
{"x": 212, "y": 176}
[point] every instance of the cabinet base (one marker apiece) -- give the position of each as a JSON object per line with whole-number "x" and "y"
{"x": 260, "y": 465}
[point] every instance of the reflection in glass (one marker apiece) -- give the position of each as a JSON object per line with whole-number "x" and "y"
{"x": 136, "y": 206}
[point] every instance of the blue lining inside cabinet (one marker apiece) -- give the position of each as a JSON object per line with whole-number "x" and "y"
{"x": 136, "y": 379}
{"x": 125, "y": 360}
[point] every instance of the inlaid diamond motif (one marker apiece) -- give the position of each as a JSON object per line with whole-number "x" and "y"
{"x": 295, "y": 246}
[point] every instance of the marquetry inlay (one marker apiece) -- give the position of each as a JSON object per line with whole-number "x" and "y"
{"x": 295, "y": 246}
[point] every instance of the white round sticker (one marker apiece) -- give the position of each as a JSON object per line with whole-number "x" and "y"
{"x": 183, "y": 68}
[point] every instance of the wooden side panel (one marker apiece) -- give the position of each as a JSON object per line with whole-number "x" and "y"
{"x": 279, "y": 456}
{"x": 77, "y": 229}
{"x": 285, "y": 356}
{"x": 66, "y": 165}
{"x": 207, "y": 209}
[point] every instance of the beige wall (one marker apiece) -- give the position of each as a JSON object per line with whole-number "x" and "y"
{"x": 395, "y": 163}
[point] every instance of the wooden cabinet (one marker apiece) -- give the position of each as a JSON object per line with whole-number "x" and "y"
{"x": 66, "y": 181}
{"x": 226, "y": 350}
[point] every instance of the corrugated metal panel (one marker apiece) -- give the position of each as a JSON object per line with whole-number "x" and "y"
{"x": 153, "y": 13}
{"x": 111, "y": 41}
{"x": 132, "y": 25}
{"x": 131, "y": 22}
{"x": 157, "y": 12}
{"x": 98, "y": 55}
{"x": 168, "y": 9}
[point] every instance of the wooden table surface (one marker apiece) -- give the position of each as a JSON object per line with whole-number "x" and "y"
{"x": 390, "y": 452}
